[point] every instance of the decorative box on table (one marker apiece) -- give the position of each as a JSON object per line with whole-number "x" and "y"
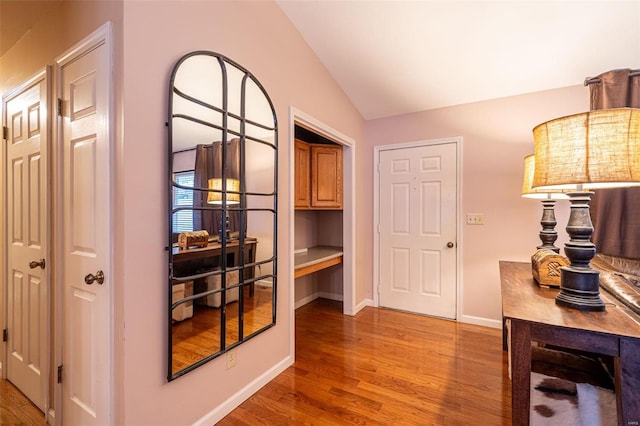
{"x": 545, "y": 267}
{"x": 193, "y": 239}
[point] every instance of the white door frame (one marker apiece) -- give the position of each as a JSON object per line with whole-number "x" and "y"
{"x": 45, "y": 152}
{"x": 102, "y": 35}
{"x": 348, "y": 209}
{"x": 376, "y": 212}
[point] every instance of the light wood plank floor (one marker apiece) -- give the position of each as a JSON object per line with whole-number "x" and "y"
{"x": 16, "y": 409}
{"x": 377, "y": 368}
{"x": 384, "y": 367}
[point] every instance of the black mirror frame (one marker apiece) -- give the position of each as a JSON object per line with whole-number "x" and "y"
{"x": 224, "y": 62}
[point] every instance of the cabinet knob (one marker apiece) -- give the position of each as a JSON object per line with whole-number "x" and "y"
{"x": 450, "y": 244}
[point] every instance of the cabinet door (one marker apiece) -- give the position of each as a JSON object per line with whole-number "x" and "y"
{"x": 326, "y": 176}
{"x": 302, "y": 175}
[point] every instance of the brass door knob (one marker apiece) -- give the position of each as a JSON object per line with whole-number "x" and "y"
{"x": 36, "y": 263}
{"x": 450, "y": 244}
{"x": 90, "y": 278}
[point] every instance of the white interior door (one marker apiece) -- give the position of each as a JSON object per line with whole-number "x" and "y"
{"x": 417, "y": 229}
{"x": 86, "y": 233}
{"x": 27, "y": 237}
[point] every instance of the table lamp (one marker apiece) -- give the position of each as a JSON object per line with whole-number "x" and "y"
{"x": 217, "y": 196}
{"x": 596, "y": 149}
{"x": 548, "y": 197}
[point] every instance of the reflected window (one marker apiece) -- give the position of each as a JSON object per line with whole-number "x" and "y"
{"x": 183, "y": 220}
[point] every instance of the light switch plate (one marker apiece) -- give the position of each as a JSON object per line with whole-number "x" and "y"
{"x": 475, "y": 218}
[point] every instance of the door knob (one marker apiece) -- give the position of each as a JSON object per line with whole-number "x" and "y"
{"x": 90, "y": 278}
{"x": 36, "y": 263}
{"x": 450, "y": 244}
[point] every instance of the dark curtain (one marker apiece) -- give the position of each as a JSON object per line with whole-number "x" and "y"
{"x": 614, "y": 212}
{"x": 208, "y": 164}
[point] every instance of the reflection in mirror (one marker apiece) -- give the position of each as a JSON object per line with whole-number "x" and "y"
{"x": 222, "y": 179}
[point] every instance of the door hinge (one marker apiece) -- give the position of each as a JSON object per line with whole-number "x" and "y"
{"x": 60, "y": 104}
{"x": 5, "y": 335}
{"x": 59, "y": 374}
{"x": 5, "y": 132}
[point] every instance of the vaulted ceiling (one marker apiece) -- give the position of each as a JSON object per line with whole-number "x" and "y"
{"x": 17, "y": 17}
{"x": 395, "y": 57}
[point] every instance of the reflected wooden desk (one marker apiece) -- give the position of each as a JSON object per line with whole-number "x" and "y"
{"x": 215, "y": 249}
{"x": 188, "y": 261}
{"x": 534, "y": 316}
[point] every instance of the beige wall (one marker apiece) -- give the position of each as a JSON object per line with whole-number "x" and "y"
{"x": 258, "y": 36}
{"x": 313, "y": 228}
{"x": 496, "y": 137}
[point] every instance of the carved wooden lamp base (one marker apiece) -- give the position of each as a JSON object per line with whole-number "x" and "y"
{"x": 579, "y": 284}
{"x": 548, "y": 234}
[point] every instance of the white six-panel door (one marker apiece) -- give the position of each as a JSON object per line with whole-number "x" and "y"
{"x": 26, "y": 214}
{"x": 86, "y": 233}
{"x": 417, "y": 229}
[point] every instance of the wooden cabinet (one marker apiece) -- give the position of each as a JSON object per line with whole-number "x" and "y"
{"x": 302, "y": 165}
{"x": 318, "y": 176}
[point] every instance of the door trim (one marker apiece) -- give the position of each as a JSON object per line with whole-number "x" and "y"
{"x": 101, "y": 36}
{"x": 45, "y": 152}
{"x": 376, "y": 213}
{"x": 348, "y": 213}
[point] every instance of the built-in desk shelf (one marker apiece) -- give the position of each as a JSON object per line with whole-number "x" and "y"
{"x": 314, "y": 259}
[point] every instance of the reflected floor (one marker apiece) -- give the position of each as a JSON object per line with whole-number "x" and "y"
{"x": 198, "y": 337}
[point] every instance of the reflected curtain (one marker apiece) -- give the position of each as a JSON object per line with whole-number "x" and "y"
{"x": 208, "y": 165}
{"x": 614, "y": 212}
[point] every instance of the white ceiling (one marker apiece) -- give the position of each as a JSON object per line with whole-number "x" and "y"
{"x": 395, "y": 57}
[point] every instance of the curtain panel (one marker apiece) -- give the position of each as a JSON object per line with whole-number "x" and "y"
{"x": 208, "y": 165}
{"x": 614, "y": 212}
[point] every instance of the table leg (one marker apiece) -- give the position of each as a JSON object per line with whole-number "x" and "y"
{"x": 627, "y": 370}
{"x": 521, "y": 372}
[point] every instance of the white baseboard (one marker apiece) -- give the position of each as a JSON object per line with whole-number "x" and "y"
{"x": 361, "y": 305}
{"x": 469, "y": 319}
{"x": 330, "y": 296}
{"x": 52, "y": 417}
{"x": 333, "y": 296}
{"x": 314, "y": 296}
{"x": 215, "y": 415}
{"x": 306, "y": 300}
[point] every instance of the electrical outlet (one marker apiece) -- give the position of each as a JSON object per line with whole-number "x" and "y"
{"x": 475, "y": 218}
{"x": 232, "y": 358}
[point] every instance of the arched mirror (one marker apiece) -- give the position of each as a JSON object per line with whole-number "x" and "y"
{"x": 223, "y": 139}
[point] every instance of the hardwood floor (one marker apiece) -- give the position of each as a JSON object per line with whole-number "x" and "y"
{"x": 384, "y": 367}
{"x": 377, "y": 368}
{"x": 16, "y": 409}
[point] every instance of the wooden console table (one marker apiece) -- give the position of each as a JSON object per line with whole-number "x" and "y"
{"x": 534, "y": 316}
